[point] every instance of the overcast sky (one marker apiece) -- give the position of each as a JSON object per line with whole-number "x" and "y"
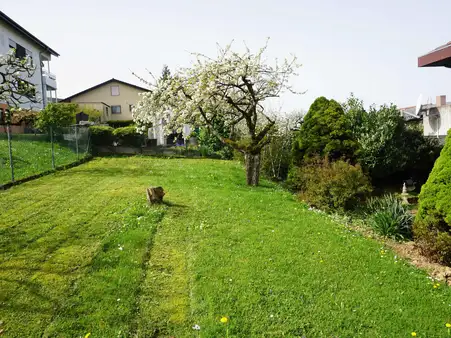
{"x": 366, "y": 47}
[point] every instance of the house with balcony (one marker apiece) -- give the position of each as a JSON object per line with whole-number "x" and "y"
{"x": 15, "y": 36}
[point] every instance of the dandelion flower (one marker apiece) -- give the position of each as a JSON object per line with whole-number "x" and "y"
{"x": 448, "y": 325}
{"x": 414, "y": 334}
{"x": 224, "y": 320}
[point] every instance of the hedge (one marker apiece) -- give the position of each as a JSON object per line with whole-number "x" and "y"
{"x": 102, "y": 135}
{"x": 128, "y": 136}
{"x": 120, "y": 123}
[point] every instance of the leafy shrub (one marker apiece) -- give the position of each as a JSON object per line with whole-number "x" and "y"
{"x": 387, "y": 144}
{"x": 389, "y": 217}
{"x": 101, "y": 135}
{"x": 94, "y": 115}
{"x": 330, "y": 185}
{"x": 433, "y": 221}
{"x": 325, "y": 133}
{"x": 120, "y": 123}
{"x": 56, "y": 115}
{"x": 128, "y": 136}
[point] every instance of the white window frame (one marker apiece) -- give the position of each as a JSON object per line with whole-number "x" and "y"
{"x": 113, "y": 93}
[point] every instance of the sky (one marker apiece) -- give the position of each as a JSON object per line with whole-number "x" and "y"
{"x": 369, "y": 48}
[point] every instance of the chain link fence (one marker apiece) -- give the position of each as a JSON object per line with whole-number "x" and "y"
{"x": 23, "y": 155}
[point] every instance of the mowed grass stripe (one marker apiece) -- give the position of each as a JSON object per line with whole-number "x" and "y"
{"x": 52, "y": 269}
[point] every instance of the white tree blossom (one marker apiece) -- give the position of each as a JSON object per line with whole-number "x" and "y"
{"x": 232, "y": 87}
{"x": 14, "y": 88}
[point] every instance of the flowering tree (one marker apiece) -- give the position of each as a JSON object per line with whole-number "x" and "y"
{"x": 232, "y": 87}
{"x": 14, "y": 89}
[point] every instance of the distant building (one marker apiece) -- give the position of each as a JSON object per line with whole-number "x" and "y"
{"x": 114, "y": 98}
{"x": 435, "y": 118}
{"x": 13, "y": 35}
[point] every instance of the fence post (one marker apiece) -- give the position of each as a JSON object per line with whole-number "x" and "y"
{"x": 10, "y": 150}
{"x": 53, "y": 149}
{"x": 76, "y": 140}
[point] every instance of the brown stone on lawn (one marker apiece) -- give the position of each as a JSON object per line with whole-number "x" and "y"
{"x": 155, "y": 195}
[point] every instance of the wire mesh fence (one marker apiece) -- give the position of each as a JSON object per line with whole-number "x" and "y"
{"x": 25, "y": 155}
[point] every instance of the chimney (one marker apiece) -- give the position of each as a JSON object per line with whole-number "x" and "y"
{"x": 440, "y": 101}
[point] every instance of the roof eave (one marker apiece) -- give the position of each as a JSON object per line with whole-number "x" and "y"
{"x": 104, "y": 83}
{"x": 440, "y": 57}
{"x": 22, "y": 30}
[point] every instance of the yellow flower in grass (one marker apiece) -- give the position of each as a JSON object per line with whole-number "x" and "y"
{"x": 224, "y": 320}
{"x": 88, "y": 335}
{"x": 448, "y": 325}
{"x": 414, "y": 334}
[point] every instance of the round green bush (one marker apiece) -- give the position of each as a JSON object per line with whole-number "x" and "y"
{"x": 331, "y": 186}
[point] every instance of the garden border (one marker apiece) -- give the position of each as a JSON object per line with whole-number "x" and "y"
{"x": 45, "y": 173}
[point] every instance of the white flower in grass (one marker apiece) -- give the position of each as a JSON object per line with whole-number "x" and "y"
{"x": 196, "y": 327}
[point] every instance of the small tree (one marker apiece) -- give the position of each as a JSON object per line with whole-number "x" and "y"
{"x": 324, "y": 133}
{"x": 233, "y": 86}
{"x": 277, "y": 156}
{"x": 94, "y": 115}
{"x": 57, "y": 115}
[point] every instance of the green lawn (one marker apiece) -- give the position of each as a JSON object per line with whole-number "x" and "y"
{"x": 80, "y": 252}
{"x": 31, "y": 155}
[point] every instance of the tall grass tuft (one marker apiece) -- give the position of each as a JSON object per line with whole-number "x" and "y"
{"x": 389, "y": 217}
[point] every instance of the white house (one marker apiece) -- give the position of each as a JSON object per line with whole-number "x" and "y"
{"x": 436, "y": 118}
{"x": 13, "y": 35}
{"x": 162, "y": 138}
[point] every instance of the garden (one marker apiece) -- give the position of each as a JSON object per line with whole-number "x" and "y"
{"x": 305, "y": 228}
{"x": 91, "y": 257}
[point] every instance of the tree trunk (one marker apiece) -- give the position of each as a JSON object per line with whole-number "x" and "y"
{"x": 252, "y": 168}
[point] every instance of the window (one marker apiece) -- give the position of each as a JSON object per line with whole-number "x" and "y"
{"x": 115, "y": 109}
{"x": 21, "y": 51}
{"x": 114, "y": 90}
{"x": 131, "y": 107}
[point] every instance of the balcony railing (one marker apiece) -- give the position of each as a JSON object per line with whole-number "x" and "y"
{"x": 49, "y": 79}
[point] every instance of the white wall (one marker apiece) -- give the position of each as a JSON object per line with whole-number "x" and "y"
{"x": 6, "y": 33}
{"x": 437, "y": 124}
